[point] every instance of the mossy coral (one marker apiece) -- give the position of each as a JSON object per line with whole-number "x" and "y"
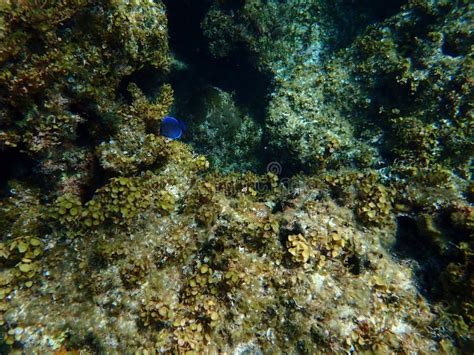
{"x": 119, "y": 202}
{"x": 67, "y": 209}
{"x": 375, "y": 200}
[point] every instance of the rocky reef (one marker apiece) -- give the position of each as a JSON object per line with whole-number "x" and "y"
{"x": 357, "y": 238}
{"x": 399, "y": 91}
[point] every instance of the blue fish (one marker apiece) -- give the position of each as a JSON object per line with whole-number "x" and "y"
{"x": 172, "y": 127}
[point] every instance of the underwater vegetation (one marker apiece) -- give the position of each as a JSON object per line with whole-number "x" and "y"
{"x": 218, "y": 128}
{"x": 125, "y": 229}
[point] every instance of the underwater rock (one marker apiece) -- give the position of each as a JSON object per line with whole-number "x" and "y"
{"x": 220, "y": 130}
{"x": 389, "y": 94}
{"x": 166, "y": 283}
{"x": 120, "y": 240}
{"x": 61, "y": 65}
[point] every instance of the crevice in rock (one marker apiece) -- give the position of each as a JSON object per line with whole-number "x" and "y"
{"x": 204, "y": 84}
{"x": 15, "y": 166}
{"x": 412, "y": 243}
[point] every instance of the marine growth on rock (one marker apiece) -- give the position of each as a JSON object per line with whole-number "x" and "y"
{"x": 236, "y": 177}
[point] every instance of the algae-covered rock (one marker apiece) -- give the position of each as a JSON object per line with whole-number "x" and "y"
{"x": 61, "y": 66}
{"x": 219, "y": 129}
{"x": 177, "y": 285}
{"x": 118, "y": 240}
{"x": 399, "y": 89}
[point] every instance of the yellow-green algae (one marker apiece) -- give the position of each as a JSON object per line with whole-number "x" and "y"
{"x": 175, "y": 285}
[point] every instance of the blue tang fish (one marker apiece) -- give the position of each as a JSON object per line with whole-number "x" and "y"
{"x": 172, "y": 127}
